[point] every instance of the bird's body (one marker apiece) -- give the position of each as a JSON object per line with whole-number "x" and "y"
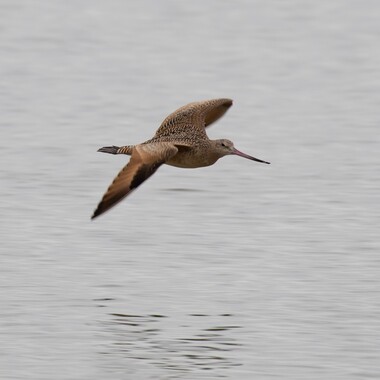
{"x": 180, "y": 141}
{"x": 188, "y": 156}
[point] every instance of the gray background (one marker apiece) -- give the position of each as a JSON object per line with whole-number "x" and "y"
{"x": 240, "y": 270}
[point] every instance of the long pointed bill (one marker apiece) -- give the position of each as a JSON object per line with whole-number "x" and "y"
{"x": 241, "y": 154}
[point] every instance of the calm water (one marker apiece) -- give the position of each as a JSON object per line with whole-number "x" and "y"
{"x": 237, "y": 271}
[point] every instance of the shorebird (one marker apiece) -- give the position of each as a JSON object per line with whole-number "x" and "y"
{"x": 180, "y": 141}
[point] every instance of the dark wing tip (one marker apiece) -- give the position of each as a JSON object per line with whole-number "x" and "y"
{"x": 104, "y": 206}
{"x": 96, "y": 213}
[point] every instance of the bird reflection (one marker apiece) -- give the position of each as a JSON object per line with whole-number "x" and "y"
{"x": 197, "y": 344}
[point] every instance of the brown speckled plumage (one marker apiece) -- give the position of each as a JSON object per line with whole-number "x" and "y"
{"x": 181, "y": 141}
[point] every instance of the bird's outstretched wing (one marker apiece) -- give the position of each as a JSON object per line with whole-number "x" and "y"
{"x": 145, "y": 160}
{"x": 196, "y": 115}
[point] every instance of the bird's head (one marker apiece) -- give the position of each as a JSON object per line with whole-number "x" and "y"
{"x": 225, "y": 147}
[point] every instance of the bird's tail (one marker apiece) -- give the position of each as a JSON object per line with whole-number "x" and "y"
{"x": 127, "y": 149}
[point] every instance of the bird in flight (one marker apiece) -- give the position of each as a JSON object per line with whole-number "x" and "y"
{"x": 180, "y": 141}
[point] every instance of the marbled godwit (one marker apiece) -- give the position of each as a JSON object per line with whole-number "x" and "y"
{"x": 180, "y": 141}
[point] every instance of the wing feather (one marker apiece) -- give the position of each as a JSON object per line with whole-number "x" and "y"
{"x": 197, "y": 114}
{"x": 144, "y": 162}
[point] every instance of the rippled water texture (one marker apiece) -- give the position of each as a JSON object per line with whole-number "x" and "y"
{"x": 237, "y": 271}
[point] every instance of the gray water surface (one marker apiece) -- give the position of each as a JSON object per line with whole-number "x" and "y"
{"x": 236, "y": 271}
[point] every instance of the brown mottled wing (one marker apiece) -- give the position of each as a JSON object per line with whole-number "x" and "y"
{"x": 197, "y": 116}
{"x": 145, "y": 160}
